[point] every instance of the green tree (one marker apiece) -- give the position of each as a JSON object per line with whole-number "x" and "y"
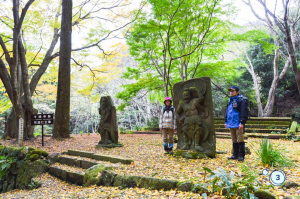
{"x": 178, "y": 41}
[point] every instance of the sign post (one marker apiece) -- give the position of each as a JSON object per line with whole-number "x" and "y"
{"x": 42, "y": 119}
{"x": 21, "y": 130}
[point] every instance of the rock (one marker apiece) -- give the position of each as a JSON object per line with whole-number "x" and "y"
{"x": 106, "y": 178}
{"x": 53, "y": 158}
{"x": 131, "y": 181}
{"x": 289, "y": 185}
{"x": 264, "y": 194}
{"x": 28, "y": 170}
{"x": 203, "y": 187}
{"x": 75, "y": 178}
{"x": 221, "y": 152}
{"x": 70, "y": 161}
{"x": 157, "y": 183}
{"x": 185, "y": 186}
{"x": 85, "y": 164}
{"x": 293, "y": 128}
{"x": 45, "y": 153}
{"x": 92, "y": 174}
{"x": 34, "y": 157}
{"x": 58, "y": 172}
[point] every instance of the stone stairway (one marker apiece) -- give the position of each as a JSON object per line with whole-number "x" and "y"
{"x": 72, "y": 165}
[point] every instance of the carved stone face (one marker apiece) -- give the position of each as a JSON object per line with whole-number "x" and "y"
{"x": 186, "y": 96}
{"x": 103, "y": 103}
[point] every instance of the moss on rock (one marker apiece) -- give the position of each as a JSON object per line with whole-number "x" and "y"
{"x": 28, "y": 170}
{"x": 263, "y": 194}
{"x": 106, "y": 178}
{"x": 34, "y": 157}
{"x": 93, "y": 173}
{"x": 157, "y": 183}
{"x": 45, "y": 153}
{"x": 185, "y": 186}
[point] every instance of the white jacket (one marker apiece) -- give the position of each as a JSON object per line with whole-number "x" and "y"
{"x": 166, "y": 120}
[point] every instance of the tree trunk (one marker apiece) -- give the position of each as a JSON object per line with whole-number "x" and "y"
{"x": 292, "y": 53}
{"x": 62, "y": 110}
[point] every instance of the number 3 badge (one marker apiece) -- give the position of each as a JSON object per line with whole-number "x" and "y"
{"x": 277, "y": 177}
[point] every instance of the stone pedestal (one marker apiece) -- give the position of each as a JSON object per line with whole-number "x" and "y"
{"x": 189, "y": 154}
{"x": 195, "y": 119}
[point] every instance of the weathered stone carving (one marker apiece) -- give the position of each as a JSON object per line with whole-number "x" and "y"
{"x": 194, "y": 113}
{"x": 108, "y": 127}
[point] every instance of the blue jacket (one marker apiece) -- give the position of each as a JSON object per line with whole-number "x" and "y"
{"x": 236, "y": 115}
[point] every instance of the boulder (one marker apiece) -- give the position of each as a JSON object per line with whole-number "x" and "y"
{"x": 106, "y": 178}
{"x": 93, "y": 173}
{"x": 28, "y": 170}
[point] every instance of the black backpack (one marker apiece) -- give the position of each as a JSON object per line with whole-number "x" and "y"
{"x": 172, "y": 109}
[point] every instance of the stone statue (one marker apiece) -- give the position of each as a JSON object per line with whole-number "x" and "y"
{"x": 194, "y": 129}
{"x": 194, "y": 113}
{"x": 108, "y": 127}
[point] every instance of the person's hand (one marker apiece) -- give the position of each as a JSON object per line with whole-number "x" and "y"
{"x": 241, "y": 126}
{"x": 174, "y": 130}
{"x": 225, "y": 126}
{"x": 160, "y": 130}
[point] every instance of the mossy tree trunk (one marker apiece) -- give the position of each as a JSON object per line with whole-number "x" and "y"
{"x": 62, "y": 110}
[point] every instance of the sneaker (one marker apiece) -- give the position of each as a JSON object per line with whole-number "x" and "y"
{"x": 166, "y": 151}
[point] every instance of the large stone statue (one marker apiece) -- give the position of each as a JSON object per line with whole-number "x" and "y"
{"x": 108, "y": 127}
{"x": 194, "y": 113}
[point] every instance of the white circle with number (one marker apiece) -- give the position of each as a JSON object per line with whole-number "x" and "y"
{"x": 265, "y": 172}
{"x": 277, "y": 177}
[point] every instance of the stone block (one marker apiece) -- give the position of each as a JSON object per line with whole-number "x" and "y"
{"x": 85, "y": 164}
{"x": 80, "y": 153}
{"x": 92, "y": 174}
{"x": 264, "y": 194}
{"x": 112, "y": 159}
{"x": 157, "y": 183}
{"x": 57, "y": 172}
{"x": 53, "y": 158}
{"x": 70, "y": 161}
{"x": 75, "y": 177}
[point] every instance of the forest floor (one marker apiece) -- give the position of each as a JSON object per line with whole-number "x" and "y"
{"x": 150, "y": 160}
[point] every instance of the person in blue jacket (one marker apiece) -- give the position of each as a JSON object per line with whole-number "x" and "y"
{"x": 235, "y": 119}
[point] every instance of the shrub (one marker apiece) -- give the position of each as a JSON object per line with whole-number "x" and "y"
{"x": 272, "y": 154}
{"x": 5, "y": 165}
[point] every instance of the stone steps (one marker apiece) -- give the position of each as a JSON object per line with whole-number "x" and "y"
{"x": 100, "y": 157}
{"x": 67, "y": 173}
{"x": 253, "y": 130}
{"x": 75, "y": 161}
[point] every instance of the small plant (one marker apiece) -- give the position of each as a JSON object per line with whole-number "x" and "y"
{"x": 34, "y": 184}
{"x": 88, "y": 133}
{"x": 272, "y": 154}
{"x": 37, "y": 134}
{"x": 5, "y": 165}
{"x": 129, "y": 132}
{"x": 137, "y": 128}
{"x": 122, "y": 130}
{"x": 271, "y": 127}
{"x": 175, "y": 138}
{"x": 81, "y": 132}
{"x": 220, "y": 179}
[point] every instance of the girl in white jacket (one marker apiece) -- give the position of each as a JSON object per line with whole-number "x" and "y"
{"x": 167, "y": 124}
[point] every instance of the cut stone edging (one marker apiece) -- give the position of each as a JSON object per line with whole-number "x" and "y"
{"x": 73, "y": 177}
{"x": 100, "y": 157}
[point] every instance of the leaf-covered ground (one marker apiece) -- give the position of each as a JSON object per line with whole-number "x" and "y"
{"x": 149, "y": 160}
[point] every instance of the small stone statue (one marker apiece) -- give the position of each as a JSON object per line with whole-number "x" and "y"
{"x": 108, "y": 127}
